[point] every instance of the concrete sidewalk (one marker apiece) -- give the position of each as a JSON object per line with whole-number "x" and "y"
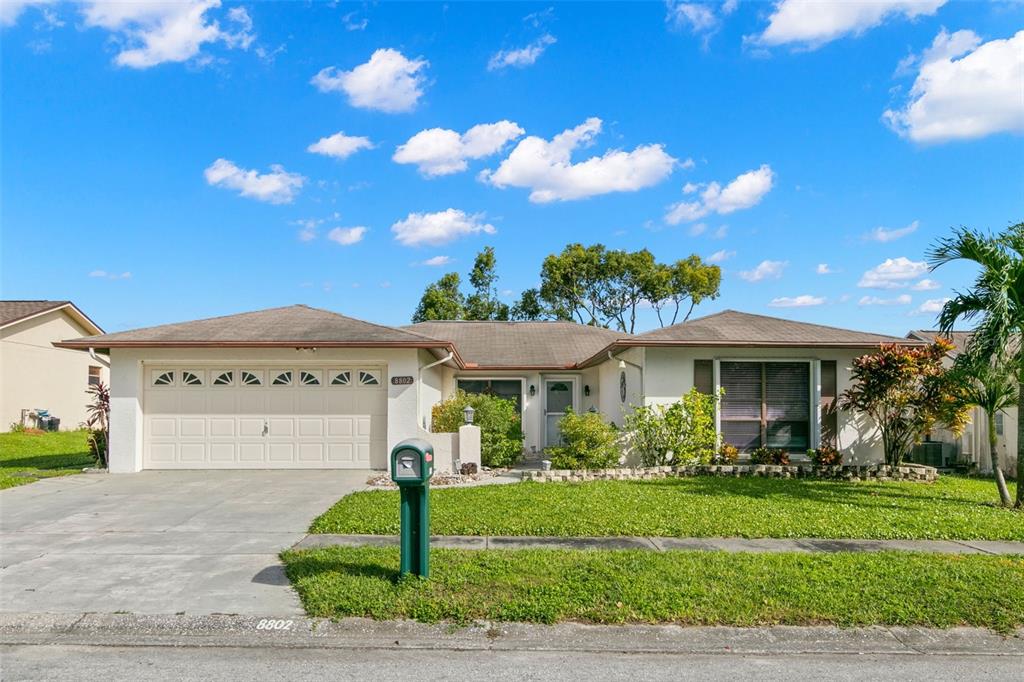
{"x": 807, "y": 545}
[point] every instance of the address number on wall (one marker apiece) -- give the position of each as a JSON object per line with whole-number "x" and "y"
{"x": 401, "y": 381}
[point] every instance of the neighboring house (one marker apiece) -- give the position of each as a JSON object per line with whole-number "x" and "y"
{"x": 36, "y": 375}
{"x": 972, "y": 445}
{"x": 300, "y": 387}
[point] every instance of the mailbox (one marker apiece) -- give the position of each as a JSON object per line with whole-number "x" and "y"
{"x": 412, "y": 465}
{"x": 412, "y": 462}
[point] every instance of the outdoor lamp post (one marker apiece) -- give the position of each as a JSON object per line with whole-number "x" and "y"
{"x": 467, "y": 414}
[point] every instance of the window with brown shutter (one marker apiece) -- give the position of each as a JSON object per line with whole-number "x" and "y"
{"x": 94, "y": 375}
{"x": 704, "y": 376}
{"x": 766, "y": 403}
{"x": 829, "y": 406}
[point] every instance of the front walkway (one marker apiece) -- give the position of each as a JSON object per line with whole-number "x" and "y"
{"x": 809, "y": 545}
{"x": 160, "y": 542}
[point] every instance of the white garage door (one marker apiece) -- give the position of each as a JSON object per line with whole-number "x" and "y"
{"x": 251, "y": 417}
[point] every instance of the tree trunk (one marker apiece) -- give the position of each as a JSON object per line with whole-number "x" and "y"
{"x": 1020, "y": 438}
{"x": 1004, "y": 492}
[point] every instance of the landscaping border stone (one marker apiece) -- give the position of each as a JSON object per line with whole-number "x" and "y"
{"x": 867, "y": 472}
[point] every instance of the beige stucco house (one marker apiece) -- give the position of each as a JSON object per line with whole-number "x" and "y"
{"x": 972, "y": 446}
{"x": 34, "y": 374}
{"x": 300, "y": 387}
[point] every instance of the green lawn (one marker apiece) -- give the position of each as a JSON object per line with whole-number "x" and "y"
{"x": 25, "y": 457}
{"x": 952, "y": 508}
{"x": 700, "y": 588}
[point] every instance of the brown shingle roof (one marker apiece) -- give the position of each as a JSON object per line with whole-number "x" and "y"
{"x": 533, "y": 345}
{"x": 14, "y": 311}
{"x": 959, "y": 339}
{"x": 287, "y": 326}
{"x": 733, "y": 328}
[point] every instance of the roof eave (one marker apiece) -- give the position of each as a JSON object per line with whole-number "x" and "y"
{"x": 82, "y": 318}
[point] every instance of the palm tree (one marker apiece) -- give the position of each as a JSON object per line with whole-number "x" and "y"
{"x": 996, "y": 302}
{"x": 993, "y": 388}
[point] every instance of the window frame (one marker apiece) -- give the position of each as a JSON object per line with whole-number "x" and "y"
{"x": 94, "y": 378}
{"x": 521, "y": 380}
{"x": 814, "y": 396}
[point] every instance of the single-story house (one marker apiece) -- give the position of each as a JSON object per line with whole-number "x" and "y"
{"x": 300, "y": 387}
{"x": 38, "y": 376}
{"x": 972, "y": 446}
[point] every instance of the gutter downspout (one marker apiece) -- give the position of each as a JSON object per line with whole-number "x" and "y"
{"x": 96, "y": 358}
{"x": 419, "y": 382}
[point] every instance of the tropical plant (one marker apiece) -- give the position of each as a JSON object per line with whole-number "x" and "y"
{"x": 501, "y": 436}
{"x": 680, "y": 433}
{"x": 766, "y": 455}
{"x": 825, "y": 456}
{"x": 727, "y": 454}
{"x": 993, "y": 388}
{"x": 995, "y": 302}
{"x": 98, "y": 422}
{"x": 907, "y": 391}
{"x": 589, "y": 442}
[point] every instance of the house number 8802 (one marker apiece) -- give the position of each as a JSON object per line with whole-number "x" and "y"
{"x": 268, "y": 624}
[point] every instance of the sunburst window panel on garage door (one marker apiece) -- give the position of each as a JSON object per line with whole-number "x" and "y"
{"x": 265, "y": 418}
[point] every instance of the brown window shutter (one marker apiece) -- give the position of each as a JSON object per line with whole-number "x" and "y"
{"x": 829, "y": 416}
{"x": 704, "y": 376}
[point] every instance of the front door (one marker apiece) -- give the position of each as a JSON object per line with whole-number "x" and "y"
{"x": 558, "y": 398}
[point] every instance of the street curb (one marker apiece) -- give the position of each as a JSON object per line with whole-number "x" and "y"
{"x": 360, "y": 633}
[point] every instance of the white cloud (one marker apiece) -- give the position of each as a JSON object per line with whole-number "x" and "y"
{"x": 522, "y": 57}
{"x": 802, "y": 301}
{"x": 745, "y": 191}
{"x": 812, "y": 23}
{"x": 307, "y": 228}
{"x": 339, "y": 145}
{"x": 437, "y": 261}
{"x": 388, "y": 82}
{"x": 720, "y": 256}
{"x": 438, "y": 228}
{"x": 346, "y": 236}
{"x": 698, "y": 229}
{"x": 885, "y": 235}
{"x": 893, "y": 273}
{"x": 964, "y": 90}
{"x": 103, "y": 274}
{"x": 699, "y": 17}
{"x": 766, "y": 269}
{"x": 10, "y": 10}
{"x": 932, "y": 306}
{"x": 546, "y": 167}
{"x": 438, "y": 151}
{"x": 352, "y": 23}
{"x": 276, "y": 187}
{"x": 824, "y": 269}
{"x": 926, "y": 285}
{"x": 721, "y": 232}
{"x": 151, "y": 33}
{"x": 902, "y": 299}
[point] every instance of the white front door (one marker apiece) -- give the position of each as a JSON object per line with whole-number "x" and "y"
{"x": 559, "y": 397}
{"x": 270, "y": 417}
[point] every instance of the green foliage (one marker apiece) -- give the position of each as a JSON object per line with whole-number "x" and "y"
{"x": 765, "y": 455}
{"x": 501, "y": 436}
{"x": 952, "y": 508}
{"x": 680, "y": 433}
{"x": 17, "y": 427}
{"x": 589, "y": 442}
{"x": 687, "y": 588}
{"x": 98, "y": 422}
{"x": 605, "y": 287}
{"x": 442, "y": 300}
{"x": 907, "y": 392}
{"x": 994, "y": 301}
{"x": 825, "y": 456}
{"x": 483, "y": 303}
{"x": 530, "y": 306}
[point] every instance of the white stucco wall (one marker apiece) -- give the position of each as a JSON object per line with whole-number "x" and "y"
{"x": 669, "y": 373}
{"x": 34, "y": 374}
{"x": 128, "y": 365}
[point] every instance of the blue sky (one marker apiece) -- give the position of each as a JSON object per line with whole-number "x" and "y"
{"x": 156, "y": 163}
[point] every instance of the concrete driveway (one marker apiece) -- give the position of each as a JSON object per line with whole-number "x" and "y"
{"x": 160, "y": 542}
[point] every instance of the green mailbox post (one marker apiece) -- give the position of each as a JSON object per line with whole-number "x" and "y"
{"x": 412, "y": 465}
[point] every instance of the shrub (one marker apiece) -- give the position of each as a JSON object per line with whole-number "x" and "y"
{"x": 680, "y": 433}
{"x": 97, "y": 439}
{"x": 825, "y": 456}
{"x": 727, "y": 454}
{"x": 763, "y": 455}
{"x": 501, "y": 436}
{"x": 590, "y": 443}
{"x": 17, "y": 427}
